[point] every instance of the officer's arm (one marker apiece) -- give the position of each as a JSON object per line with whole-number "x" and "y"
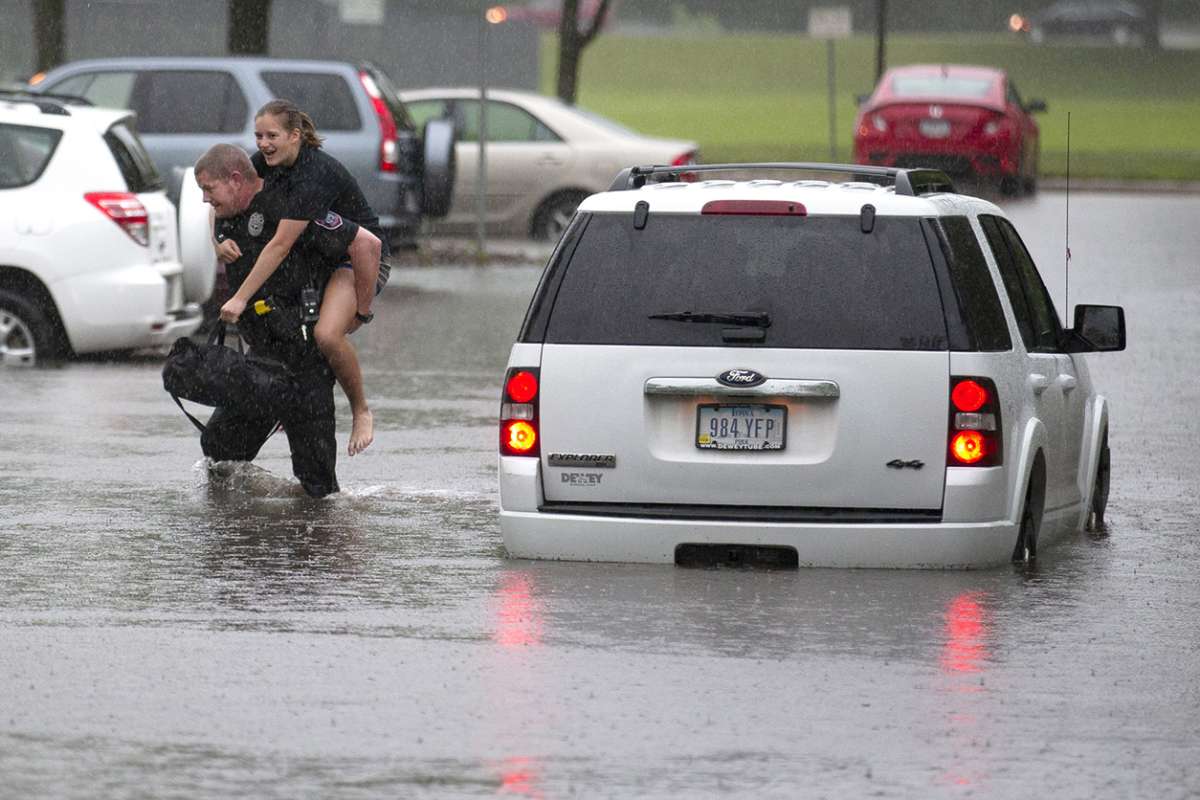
{"x": 271, "y": 257}
{"x": 364, "y": 254}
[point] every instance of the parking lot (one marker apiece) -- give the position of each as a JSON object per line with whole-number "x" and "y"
{"x": 171, "y": 634}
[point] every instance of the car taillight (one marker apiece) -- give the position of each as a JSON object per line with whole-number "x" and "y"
{"x": 975, "y": 436}
{"x": 126, "y": 210}
{"x": 685, "y": 160}
{"x": 389, "y": 145}
{"x": 518, "y": 413}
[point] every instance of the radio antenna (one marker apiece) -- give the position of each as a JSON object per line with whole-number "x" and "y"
{"x": 1067, "y": 233}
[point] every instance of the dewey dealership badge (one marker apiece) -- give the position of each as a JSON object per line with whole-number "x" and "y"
{"x": 255, "y": 225}
{"x": 741, "y": 377}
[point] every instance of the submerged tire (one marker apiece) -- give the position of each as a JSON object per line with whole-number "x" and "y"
{"x": 1025, "y": 551}
{"x": 1100, "y": 486}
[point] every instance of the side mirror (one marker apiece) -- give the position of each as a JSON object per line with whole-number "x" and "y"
{"x": 1098, "y": 329}
{"x": 859, "y": 99}
{"x": 1036, "y": 106}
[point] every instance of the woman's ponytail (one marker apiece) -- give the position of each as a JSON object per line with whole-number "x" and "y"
{"x": 292, "y": 119}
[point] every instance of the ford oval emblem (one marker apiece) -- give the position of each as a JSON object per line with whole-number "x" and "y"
{"x": 741, "y": 377}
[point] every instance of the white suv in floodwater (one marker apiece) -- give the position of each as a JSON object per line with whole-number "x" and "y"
{"x": 785, "y": 372}
{"x": 89, "y": 243}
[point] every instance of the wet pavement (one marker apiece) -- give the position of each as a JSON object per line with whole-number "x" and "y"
{"x": 164, "y": 634}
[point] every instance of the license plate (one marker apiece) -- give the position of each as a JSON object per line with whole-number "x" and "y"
{"x": 935, "y": 128}
{"x": 741, "y": 427}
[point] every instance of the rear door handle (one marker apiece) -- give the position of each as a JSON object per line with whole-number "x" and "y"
{"x": 1067, "y": 382}
{"x": 780, "y": 387}
{"x": 1038, "y": 383}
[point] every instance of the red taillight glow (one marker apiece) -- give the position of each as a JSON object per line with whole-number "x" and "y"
{"x": 389, "y": 146}
{"x": 968, "y": 447}
{"x": 126, "y": 210}
{"x": 975, "y": 436}
{"x": 968, "y": 396}
{"x": 519, "y": 413}
{"x": 518, "y": 437}
{"x": 522, "y": 387}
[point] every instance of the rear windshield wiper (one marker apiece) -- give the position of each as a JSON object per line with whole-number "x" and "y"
{"x": 759, "y": 319}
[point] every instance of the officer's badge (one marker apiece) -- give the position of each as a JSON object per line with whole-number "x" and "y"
{"x": 255, "y": 225}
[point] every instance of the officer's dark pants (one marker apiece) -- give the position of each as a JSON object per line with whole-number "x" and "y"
{"x": 237, "y": 435}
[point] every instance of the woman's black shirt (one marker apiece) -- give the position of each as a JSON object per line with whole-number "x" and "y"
{"x": 316, "y": 183}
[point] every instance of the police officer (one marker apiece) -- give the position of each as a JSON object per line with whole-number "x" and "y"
{"x": 276, "y": 325}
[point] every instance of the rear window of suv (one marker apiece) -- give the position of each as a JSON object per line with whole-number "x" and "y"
{"x": 24, "y": 153}
{"x": 822, "y": 281}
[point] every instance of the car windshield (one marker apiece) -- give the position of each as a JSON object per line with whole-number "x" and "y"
{"x": 940, "y": 86}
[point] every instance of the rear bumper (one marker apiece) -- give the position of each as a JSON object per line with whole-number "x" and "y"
{"x": 954, "y": 161}
{"x": 579, "y": 538}
{"x": 948, "y": 543}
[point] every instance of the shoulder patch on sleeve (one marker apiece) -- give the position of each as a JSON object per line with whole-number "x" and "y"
{"x": 330, "y": 222}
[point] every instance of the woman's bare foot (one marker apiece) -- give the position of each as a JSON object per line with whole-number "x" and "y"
{"x": 362, "y": 432}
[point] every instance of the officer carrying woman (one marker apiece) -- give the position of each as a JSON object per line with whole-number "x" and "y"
{"x": 274, "y": 325}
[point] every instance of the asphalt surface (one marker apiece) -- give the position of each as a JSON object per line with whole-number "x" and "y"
{"x": 166, "y": 633}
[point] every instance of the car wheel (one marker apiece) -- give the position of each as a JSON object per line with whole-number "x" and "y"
{"x": 1030, "y": 185}
{"x": 439, "y": 167}
{"x": 1095, "y": 518}
{"x": 554, "y": 214}
{"x": 1025, "y": 552}
{"x": 27, "y": 338}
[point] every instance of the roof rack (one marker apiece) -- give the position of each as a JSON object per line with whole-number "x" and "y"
{"x": 911, "y": 182}
{"x": 48, "y": 103}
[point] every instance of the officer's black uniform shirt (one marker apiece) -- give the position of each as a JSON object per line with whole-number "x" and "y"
{"x": 320, "y": 248}
{"x": 316, "y": 183}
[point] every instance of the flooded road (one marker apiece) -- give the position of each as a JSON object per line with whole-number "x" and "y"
{"x": 164, "y": 634}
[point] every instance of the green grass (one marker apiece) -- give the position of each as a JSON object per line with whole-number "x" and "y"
{"x": 1134, "y": 113}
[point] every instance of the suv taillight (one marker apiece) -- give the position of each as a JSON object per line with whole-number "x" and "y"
{"x": 389, "y": 145}
{"x": 518, "y": 413}
{"x": 126, "y": 210}
{"x": 975, "y": 437}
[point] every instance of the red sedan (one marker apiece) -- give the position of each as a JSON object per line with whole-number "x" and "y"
{"x": 965, "y": 120}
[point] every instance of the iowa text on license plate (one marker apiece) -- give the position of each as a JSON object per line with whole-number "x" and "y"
{"x": 741, "y": 427}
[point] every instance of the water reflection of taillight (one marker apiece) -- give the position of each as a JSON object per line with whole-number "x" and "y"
{"x": 518, "y": 413}
{"x": 975, "y": 434}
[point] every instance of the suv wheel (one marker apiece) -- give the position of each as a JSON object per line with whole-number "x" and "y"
{"x": 1025, "y": 552}
{"x": 1095, "y": 518}
{"x": 553, "y": 215}
{"x": 26, "y": 336}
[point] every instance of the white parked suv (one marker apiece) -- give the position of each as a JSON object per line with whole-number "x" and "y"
{"x": 89, "y": 243}
{"x": 799, "y": 372}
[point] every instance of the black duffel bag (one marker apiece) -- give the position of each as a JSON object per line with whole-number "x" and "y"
{"x": 213, "y": 374}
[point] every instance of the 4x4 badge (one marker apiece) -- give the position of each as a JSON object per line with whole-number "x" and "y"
{"x": 741, "y": 377}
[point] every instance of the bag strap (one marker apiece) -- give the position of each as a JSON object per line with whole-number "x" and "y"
{"x": 200, "y": 426}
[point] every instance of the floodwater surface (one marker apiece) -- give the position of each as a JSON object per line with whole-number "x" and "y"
{"x": 167, "y": 633}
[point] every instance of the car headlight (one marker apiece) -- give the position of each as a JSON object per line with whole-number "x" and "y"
{"x": 879, "y": 122}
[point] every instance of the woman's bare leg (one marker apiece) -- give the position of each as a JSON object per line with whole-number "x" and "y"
{"x": 337, "y": 313}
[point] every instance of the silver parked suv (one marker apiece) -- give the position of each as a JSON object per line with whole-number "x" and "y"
{"x": 186, "y": 105}
{"x": 780, "y": 371}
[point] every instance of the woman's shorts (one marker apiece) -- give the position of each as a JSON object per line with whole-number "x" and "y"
{"x": 385, "y": 272}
